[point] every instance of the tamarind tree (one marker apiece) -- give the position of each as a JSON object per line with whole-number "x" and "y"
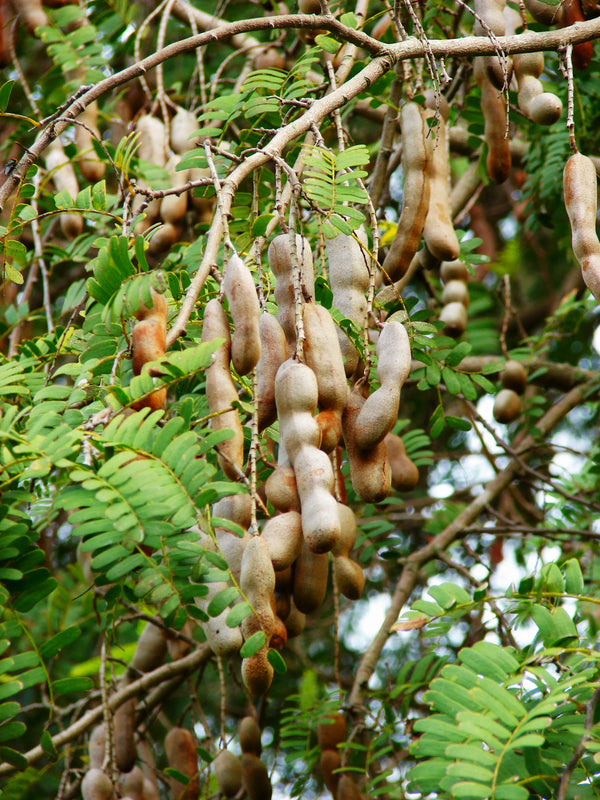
{"x": 299, "y": 461}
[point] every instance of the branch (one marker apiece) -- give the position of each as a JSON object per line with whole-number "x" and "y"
{"x": 468, "y": 515}
{"x": 166, "y": 672}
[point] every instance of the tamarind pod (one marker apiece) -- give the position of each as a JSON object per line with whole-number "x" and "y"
{"x": 31, "y": 12}
{"x": 310, "y": 580}
{"x": 405, "y": 474}
{"x": 124, "y": 735}
{"x": 283, "y": 535}
{"x": 249, "y": 735}
{"x": 280, "y": 261}
{"x": 183, "y": 126}
{"x": 176, "y": 645}
{"x": 180, "y": 748}
{"x": 545, "y": 109}
{"x": 91, "y": 166}
{"x": 580, "y": 192}
{"x": 279, "y": 636}
{"x": 491, "y": 19}
{"x": 507, "y": 406}
{"x": 284, "y": 580}
{"x": 255, "y": 778}
{"x": 281, "y": 489}
{"x": 245, "y": 311}
{"x": 150, "y": 791}
{"x": 295, "y": 621}
{"x": 416, "y": 193}
{"x": 380, "y": 410}
{"x": 273, "y": 352}
{"x": 454, "y": 271}
{"x": 132, "y": 784}
{"x": 349, "y": 576}
{"x": 173, "y": 206}
{"x": 236, "y": 507}
{"x": 330, "y": 761}
{"x": 148, "y": 339}
{"x": 331, "y": 732}
{"x": 96, "y": 746}
{"x": 370, "y": 471}
{"x": 257, "y": 673}
{"x": 314, "y": 478}
{"x": 151, "y": 140}
{"x": 221, "y": 391}
{"x": 96, "y": 786}
{"x": 202, "y": 205}
{"x": 323, "y": 355}
{"x": 438, "y": 231}
{"x": 348, "y": 531}
{"x": 150, "y": 650}
{"x": 546, "y": 13}
{"x": 232, "y": 549}
{"x": 584, "y": 51}
{"x": 455, "y": 292}
{"x": 494, "y": 112}
{"x": 454, "y": 316}
{"x": 222, "y": 640}
{"x": 282, "y": 599}
{"x": 228, "y": 773}
{"x": 296, "y": 394}
{"x": 158, "y": 309}
{"x": 349, "y": 281}
{"x": 347, "y": 788}
{"x": 257, "y": 582}
{"x": 65, "y": 180}
{"x": 163, "y": 237}
{"x": 514, "y": 376}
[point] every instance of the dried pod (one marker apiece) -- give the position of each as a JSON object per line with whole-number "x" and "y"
{"x": 331, "y": 732}
{"x": 245, "y": 312}
{"x": 507, "y": 406}
{"x": 249, "y": 736}
{"x": 180, "y": 747}
{"x": 124, "y": 735}
{"x": 96, "y": 786}
{"x": 581, "y": 201}
{"x": 228, "y": 773}
{"x": 405, "y": 474}
{"x": 255, "y": 778}
{"x": 514, "y": 376}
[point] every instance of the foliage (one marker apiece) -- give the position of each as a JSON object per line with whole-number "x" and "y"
{"x": 479, "y": 678}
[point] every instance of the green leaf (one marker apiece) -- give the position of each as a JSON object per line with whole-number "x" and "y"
{"x": 471, "y": 791}
{"x": 277, "y": 662}
{"x": 253, "y": 644}
{"x": 456, "y": 355}
{"x": 238, "y": 613}
{"x": 68, "y": 685}
{"x": 14, "y": 758}
{"x": 573, "y": 577}
{"x": 5, "y": 91}
{"x": 216, "y": 560}
{"x": 54, "y": 645}
{"x": 327, "y": 43}
{"x": 511, "y": 791}
{"x": 221, "y": 600}
{"x": 458, "y": 423}
{"x": 451, "y": 380}
{"x": 48, "y": 746}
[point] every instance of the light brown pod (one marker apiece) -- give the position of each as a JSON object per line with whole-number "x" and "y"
{"x": 507, "y": 406}
{"x": 96, "y": 746}
{"x": 245, "y": 311}
{"x": 132, "y": 784}
{"x": 257, "y": 582}
{"x": 380, "y": 410}
{"x": 151, "y": 140}
{"x": 314, "y": 478}
{"x": 281, "y": 489}
{"x": 405, "y": 474}
{"x": 180, "y": 747}
{"x": 369, "y": 469}
{"x": 455, "y": 292}
{"x": 257, "y": 673}
{"x": 255, "y": 778}
{"x": 124, "y": 735}
{"x": 148, "y": 340}
{"x": 490, "y": 19}
{"x": 249, "y": 735}
{"x": 349, "y": 576}
{"x": 493, "y": 108}
{"x": 454, "y": 271}
{"x": 221, "y": 391}
{"x": 280, "y": 261}
{"x": 183, "y": 126}
{"x": 295, "y": 621}
{"x": 150, "y": 650}
{"x": 273, "y": 352}
{"x": 236, "y": 507}
{"x": 416, "y": 193}
{"x": 91, "y": 166}
{"x": 310, "y": 580}
{"x": 96, "y": 786}
{"x": 150, "y": 791}
{"x": 323, "y": 355}
{"x": 283, "y": 535}
{"x": 228, "y": 773}
{"x": 454, "y": 317}
{"x": 65, "y": 180}
{"x": 581, "y": 201}
{"x": 232, "y": 549}
{"x": 514, "y": 376}
{"x": 438, "y": 231}
{"x": 31, "y": 13}
{"x": 349, "y": 281}
{"x": 174, "y": 206}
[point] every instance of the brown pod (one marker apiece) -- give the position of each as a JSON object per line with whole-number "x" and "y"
{"x": 245, "y": 312}
{"x": 228, "y": 773}
{"x": 64, "y": 179}
{"x": 180, "y": 748}
{"x": 281, "y": 489}
{"x": 310, "y": 580}
{"x": 454, "y": 317}
{"x": 279, "y": 636}
{"x": 295, "y": 621}
{"x": 90, "y": 165}
{"x": 255, "y": 778}
{"x": 370, "y": 471}
{"x": 283, "y": 535}
{"x": 31, "y": 13}
{"x": 347, "y": 788}
{"x": 221, "y": 391}
{"x": 150, "y": 650}
{"x": 96, "y": 786}
{"x": 150, "y": 791}
{"x": 581, "y": 202}
{"x": 331, "y": 732}
{"x": 273, "y": 352}
{"x": 96, "y": 746}
{"x": 349, "y": 576}
{"x": 257, "y": 673}
{"x": 507, "y": 406}
{"x": 249, "y": 735}
{"x": 174, "y": 206}
{"x": 132, "y": 784}
{"x": 494, "y": 110}
{"x": 280, "y": 261}
{"x": 514, "y": 376}
{"x": 148, "y": 340}
{"x": 177, "y": 646}
{"x": 330, "y": 761}
{"x": 405, "y": 474}
{"x": 124, "y": 739}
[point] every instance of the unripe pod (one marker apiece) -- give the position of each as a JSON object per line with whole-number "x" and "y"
{"x": 255, "y": 778}
{"x": 405, "y": 474}
{"x": 455, "y": 292}
{"x": 180, "y": 748}
{"x": 250, "y": 735}
{"x": 349, "y": 281}
{"x": 283, "y": 535}
{"x": 124, "y": 735}
{"x": 273, "y": 352}
{"x": 416, "y": 193}
{"x": 245, "y": 311}
{"x": 581, "y": 201}
{"x": 514, "y": 376}
{"x": 96, "y": 786}
{"x": 380, "y": 410}
{"x": 507, "y": 406}
{"x": 454, "y": 316}
{"x": 228, "y": 773}
{"x": 310, "y": 580}
{"x": 221, "y": 392}
{"x": 280, "y": 261}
